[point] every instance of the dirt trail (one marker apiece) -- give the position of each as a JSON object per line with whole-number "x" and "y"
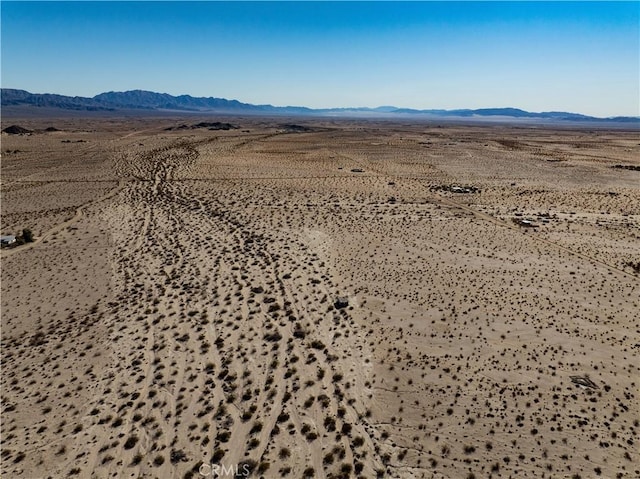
{"x": 230, "y": 335}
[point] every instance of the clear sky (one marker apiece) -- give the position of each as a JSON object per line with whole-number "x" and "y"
{"x": 571, "y": 56}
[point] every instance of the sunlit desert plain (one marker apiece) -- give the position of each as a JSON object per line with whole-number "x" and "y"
{"x": 280, "y": 297}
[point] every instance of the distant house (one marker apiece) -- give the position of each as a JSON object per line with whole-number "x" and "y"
{"x": 584, "y": 382}
{"x": 7, "y": 240}
{"x": 527, "y": 223}
{"x": 461, "y": 189}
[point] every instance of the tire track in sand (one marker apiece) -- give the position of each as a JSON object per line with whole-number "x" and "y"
{"x": 227, "y": 349}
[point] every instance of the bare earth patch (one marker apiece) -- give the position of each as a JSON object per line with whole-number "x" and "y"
{"x": 319, "y": 299}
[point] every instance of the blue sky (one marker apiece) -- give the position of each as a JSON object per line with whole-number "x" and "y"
{"x": 571, "y": 56}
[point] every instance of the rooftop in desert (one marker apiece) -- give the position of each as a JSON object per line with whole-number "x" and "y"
{"x": 313, "y": 297}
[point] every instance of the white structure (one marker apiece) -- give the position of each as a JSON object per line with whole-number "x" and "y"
{"x": 6, "y": 240}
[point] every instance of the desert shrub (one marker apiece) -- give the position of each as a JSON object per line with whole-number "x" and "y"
{"x": 217, "y": 455}
{"x": 273, "y": 337}
{"x": 330, "y": 424}
{"x": 284, "y": 453}
{"x": 469, "y": 449}
{"x": 257, "y": 427}
{"x": 177, "y": 456}
{"x": 27, "y": 235}
{"x": 253, "y": 443}
{"x": 247, "y": 467}
{"x": 131, "y": 442}
{"x": 283, "y": 416}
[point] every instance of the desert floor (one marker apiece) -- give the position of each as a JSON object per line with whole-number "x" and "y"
{"x": 176, "y": 315}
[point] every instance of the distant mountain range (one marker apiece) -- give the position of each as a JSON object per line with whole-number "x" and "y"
{"x": 148, "y": 100}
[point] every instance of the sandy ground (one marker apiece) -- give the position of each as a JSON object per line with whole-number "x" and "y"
{"x": 176, "y": 316}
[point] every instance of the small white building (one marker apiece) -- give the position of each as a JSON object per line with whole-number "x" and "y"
{"x": 7, "y": 240}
